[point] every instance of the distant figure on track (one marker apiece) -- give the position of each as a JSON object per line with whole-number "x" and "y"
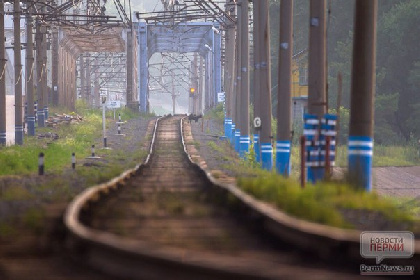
{"x": 194, "y": 117}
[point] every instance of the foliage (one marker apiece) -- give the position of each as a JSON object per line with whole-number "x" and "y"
{"x": 319, "y": 203}
{"x": 216, "y": 114}
{"x": 397, "y": 106}
{"x": 76, "y": 138}
{"x": 343, "y": 121}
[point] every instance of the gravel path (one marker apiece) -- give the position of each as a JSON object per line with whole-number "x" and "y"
{"x": 397, "y": 181}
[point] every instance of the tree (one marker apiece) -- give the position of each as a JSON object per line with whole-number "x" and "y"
{"x": 398, "y": 57}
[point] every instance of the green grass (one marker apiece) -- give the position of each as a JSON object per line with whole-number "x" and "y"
{"x": 320, "y": 203}
{"x": 216, "y": 114}
{"x": 76, "y": 138}
{"x": 215, "y": 147}
{"x": 13, "y": 193}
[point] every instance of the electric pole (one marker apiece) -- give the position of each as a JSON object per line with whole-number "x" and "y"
{"x": 200, "y": 86}
{"x": 18, "y": 75}
{"x": 317, "y": 102}
{"x": 54, "y": 65}
{"x": 256, "y": 84}
{"x": 39, "y": 73}
{"x": 229, "y": 69}
{"x": 2, "y": 79}
{"x": 317, "y": 59}
{"x": 265, "y": 86}
{"x": 30, "y": 74}
{"x": 244, "y": 104}
{"x": 44, "y": 67}
{"x": 237, "y": 115}
{"x": 362, "y": 94}
{"x": 129, "y": 73}
{"x": 284, "y": 96}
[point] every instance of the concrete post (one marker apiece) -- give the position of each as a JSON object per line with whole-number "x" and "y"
{"x": 30, "y": 74}
{"x": 2, "y": 79}
{"x": 284, "y": 97}
{"x": 18, "y": 75}
{"x": 317, "y": 101}
{"x": 238, "y": 81}
{"x": 39, "y": 73}
{"x": 256, "y": 84}
{"x": 362, "y": 94}
{"x": 265, "y": 86}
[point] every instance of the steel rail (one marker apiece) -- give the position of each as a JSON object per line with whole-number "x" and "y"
{"x": 135, "y": 259}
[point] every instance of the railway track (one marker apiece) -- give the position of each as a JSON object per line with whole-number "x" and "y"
{"x": 166, "y": 220}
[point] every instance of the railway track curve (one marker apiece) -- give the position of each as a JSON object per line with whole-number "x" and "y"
{"x": 167, "y": 219}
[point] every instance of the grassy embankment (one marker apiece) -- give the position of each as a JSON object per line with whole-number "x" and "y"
{"x": 77, "y": 138}
{"x": 326, "y": 202}
{"x": 60, "y": 183}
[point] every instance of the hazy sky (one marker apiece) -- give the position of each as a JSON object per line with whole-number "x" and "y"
{"x": 136, "y": 6}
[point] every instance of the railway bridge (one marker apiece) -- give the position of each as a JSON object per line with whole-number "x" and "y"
{"x": 188, "y": 58}
{"x": 194, "y": 54}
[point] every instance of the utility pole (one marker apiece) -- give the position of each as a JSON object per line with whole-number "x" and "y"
{"x": 18, "y": 75}
{"x": 30, "y": 74}
{"x": 2, "y": 79}
{"x": 284, "y": 96}
{"x": 229, "y": 69}
{"x": 317, "y": 104}
{"x": 130, "y": 70}
{"x": 44, "y": 67}
{"x": 236, "y": 124}
{"x": 257, "y": 85}
{"x": 54, "y": 64}
{"x": 82, "y": 78}
{"x": 195, "y": 85}
{"x": 173, "y": 95}
{"x": 265, "y": 85}
{"x": 89, "y": 99}
{"x": 39, "y": 73}
{"x": 362, "y": 94}
{"x": 317, "y": 59}
{"x": 200, "y": 86}
{"x": 244, "y": 104}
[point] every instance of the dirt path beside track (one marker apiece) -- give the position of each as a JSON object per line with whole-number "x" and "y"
{"x": 397, "y": 181}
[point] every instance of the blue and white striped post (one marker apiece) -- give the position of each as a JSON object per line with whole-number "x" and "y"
{"x": 19, "y": 134}
{"x": 328, "y": 124}
{"x": 257, "y": 148}
{"x": 360, "y": 161}
{"x": 41, "y": 118}
{"x": 228, "y": 127}
{"x": 36, "y": 110}
{"x": 244, "y": 142}
{"x": 46, "y": 112}
{"x": 3, "y": 138}
{"x": 267, "y": 156}
{"x": 312, "y": 155}
{"x": 232, "y": 134}
{"x": 283, "y": 165}
{"x": 31, "y": 126}
{"x": 237, "y": 140}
